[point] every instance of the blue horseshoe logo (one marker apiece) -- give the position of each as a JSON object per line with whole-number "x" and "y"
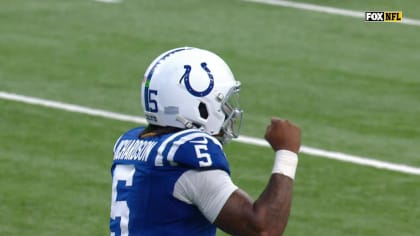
{"x": 186, "y": 77}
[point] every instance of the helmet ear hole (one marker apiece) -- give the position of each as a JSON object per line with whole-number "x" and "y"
{"x": 202, "y": 108}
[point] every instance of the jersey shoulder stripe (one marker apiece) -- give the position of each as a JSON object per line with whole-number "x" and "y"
{"x": 167, "y": 143}
{"x": 196, "y": 137}
{"x": 195, "y": 149}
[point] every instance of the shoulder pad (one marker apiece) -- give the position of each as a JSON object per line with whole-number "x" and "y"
{"x": 196, "y": 150}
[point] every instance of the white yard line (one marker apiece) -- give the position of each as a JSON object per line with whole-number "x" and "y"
{"x": 108, "y": 1}
{"x": 328, "y": 10}
{"x": 364, "y": 161}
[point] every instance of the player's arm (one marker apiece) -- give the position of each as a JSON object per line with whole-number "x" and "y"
{"x": 268, "y": 215}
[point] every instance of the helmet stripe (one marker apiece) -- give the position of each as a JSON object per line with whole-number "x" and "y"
{"x": 152, "y": 70}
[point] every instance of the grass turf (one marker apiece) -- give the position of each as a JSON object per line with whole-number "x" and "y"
{"x": 350, "y": 85}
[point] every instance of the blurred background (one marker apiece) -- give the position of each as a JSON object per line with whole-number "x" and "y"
{"x": 352, "y": 86}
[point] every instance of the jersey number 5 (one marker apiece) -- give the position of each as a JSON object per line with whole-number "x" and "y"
{"x": 204, "y": 157}
{"x": 122, "y": 179}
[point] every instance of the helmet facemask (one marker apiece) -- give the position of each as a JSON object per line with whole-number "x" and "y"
{"x": 233, "y": 114}
{"x": 229, "y": 105}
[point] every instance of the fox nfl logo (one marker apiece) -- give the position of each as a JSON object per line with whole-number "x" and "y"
{"x": 383, "y": 16}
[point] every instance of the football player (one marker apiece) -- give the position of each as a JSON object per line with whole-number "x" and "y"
{"x": 172, "y": 177}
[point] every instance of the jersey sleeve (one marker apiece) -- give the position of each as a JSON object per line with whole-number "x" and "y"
{"x": 207, "y": 190}
{"x": 199, "y": 151}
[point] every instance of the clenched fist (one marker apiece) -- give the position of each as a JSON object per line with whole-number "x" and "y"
{"x": 283, "y": 135}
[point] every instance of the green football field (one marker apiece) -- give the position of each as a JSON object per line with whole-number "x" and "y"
{"x": 353, "y": 87}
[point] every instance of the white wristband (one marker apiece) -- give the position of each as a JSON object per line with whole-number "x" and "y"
{"x": 285, "y": 163}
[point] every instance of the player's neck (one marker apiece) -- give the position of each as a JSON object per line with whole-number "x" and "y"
{"x": 154, "y": 130}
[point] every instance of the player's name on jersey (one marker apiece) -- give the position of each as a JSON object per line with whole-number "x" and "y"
{"x": 136, "y": 150}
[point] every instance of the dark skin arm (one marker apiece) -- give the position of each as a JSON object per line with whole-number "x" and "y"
{"x": 268, "y": 215}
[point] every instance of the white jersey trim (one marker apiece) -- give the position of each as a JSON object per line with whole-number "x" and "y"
{"x": 159, "y": 158}
{"x": 208, "y": 190}
{"x": 187, "y": 138}
{"x": 116, "y": 143}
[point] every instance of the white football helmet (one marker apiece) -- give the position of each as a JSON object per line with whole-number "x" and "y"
{"x": 192, "y": 88}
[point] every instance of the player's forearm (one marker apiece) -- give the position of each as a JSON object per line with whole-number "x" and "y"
{"x": 269, "y": 214}
{"x": 272, "y": 208}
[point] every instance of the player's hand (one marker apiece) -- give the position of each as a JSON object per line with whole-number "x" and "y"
{"x": 283, "y": 135}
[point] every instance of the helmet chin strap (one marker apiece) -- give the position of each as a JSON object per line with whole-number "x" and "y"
{"x": 223, "y": 137}
{"x": 187, "y": 123}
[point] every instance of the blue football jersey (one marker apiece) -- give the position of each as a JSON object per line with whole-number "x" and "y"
{"x": 144, "y": 172}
